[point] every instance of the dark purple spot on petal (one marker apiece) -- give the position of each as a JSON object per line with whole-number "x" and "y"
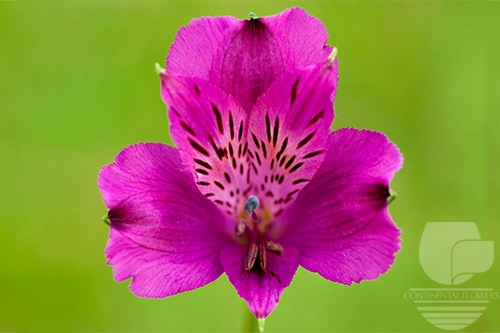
{"x": 218, "y": 117}
{"x": 245, "y": 149}
{"x": 255, "y": 169}
{"x": 282, "y": 160}
{"x": 234, "y": 164}
{"x": 294, "y": 91}
{"x": 199, "y": 148}
{"x": 219, "y": 184}
{"x": 313, "y": 154}
{"x": 268, "y": 128}
{"x": 187, "y": 128}
{"x": 219, "y": 202}
{"x": 203, "y": 172}
{"x": 276, "y": 276}
{"x": 296, "y": 167}
{"x": 298, "y": 181}
{"x": 203, "y": 183}
{"x": 290, "y": 161}
{"x": 256, "y": 141}
{"x": 241, "y": 169}
{"x": 231, "y": 152}
{"x": 218, "y": 151}
{"x": 272, "y": 163}
{"x": 209, "y": 195}
{"x": 240, "y": 134}
{"x": 203, "y": 164}
{"x": 305, "y": 140}
{"x": 287, "y": 200}
{"x": 227, "y": 177}
{"x": 316, "y": 118}
{"x": 258, "y": 157}
{"x": 276, "y": 130}
{"x": 175, "y": 112}
{"x": 264, "y": 152}
{"x": 231, "y": 125}
{"x": 196, "y": 89}
{"x": 281, "y": 179}
{"x": 292, "y": 193}
{"x": 283, "y": 147}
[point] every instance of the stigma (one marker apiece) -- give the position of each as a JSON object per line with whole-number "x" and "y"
{"x": 251, "y": 204}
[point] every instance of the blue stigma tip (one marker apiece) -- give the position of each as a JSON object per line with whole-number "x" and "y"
{"x": 251, "y": 204}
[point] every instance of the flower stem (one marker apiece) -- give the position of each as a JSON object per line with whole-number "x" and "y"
{"x": 250, "y": 324}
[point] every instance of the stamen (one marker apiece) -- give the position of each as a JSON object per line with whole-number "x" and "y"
{"x": 239, "y": 228}
{"x": 252, "y": 253}
{"x": 274, "y": 247}
{"x": 263, "y": 257}
{"x": 251, "y": 204}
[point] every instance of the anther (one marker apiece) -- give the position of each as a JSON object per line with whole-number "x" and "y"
{"x": 239, "y": 228}
{"x": 251, "y": 204}
{"x": 263, "y": 257}
{"x": 252, "y": 253}
{"x": 274, "y": 247}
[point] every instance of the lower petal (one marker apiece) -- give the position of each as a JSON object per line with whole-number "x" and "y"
{"x": 262, "y": 290}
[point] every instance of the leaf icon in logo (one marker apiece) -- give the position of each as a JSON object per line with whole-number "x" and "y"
{"x": 470, "y": 256}
{"x": 450, "y": 252}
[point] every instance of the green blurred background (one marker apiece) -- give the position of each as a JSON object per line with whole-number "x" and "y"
{"x": 78, "y": 84}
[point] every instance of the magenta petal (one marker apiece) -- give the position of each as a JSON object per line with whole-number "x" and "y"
{"x": 210, "y": 130}
{"x": 261, "y": 290}
{"x": 340, "y": 222}
{"x": 243, "y": 57}
{"x": 249, "y": 61}
{"x": 164, "y": 233}
{"x": 301, "y": 36}
{"x": 197, "y": 44}
{"x": 288, "y": 132}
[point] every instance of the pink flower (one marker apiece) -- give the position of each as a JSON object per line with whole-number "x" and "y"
{"x": 259, "y": 184}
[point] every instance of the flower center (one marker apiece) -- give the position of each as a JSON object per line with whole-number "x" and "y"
{"x": 254, "y": 229}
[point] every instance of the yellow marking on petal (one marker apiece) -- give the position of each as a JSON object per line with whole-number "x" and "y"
{"x": 267, "y": 215}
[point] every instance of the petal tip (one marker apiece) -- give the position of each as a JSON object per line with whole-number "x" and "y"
{"x": 159, "y": 70}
